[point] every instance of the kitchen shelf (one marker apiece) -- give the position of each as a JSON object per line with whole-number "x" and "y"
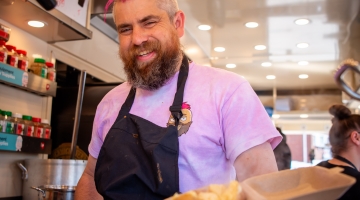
{"x": 25, "y": 144}
{"x": 17, "y": 78}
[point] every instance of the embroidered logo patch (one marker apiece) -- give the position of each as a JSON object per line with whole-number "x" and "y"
{"x": 185, "y": 120}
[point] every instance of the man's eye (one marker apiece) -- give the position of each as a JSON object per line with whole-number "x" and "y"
{"x": 125, "y": 30}
{"x": 151, "y": 23}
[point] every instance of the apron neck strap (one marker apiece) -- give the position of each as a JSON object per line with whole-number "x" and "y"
{"x": 175, "y": 109}
{"x": 345, "y": 161}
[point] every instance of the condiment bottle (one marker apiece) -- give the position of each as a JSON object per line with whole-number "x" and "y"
{"x": 9, "y": 121}
{"x": 3, "y": 52}
{"x": 38, "y": 129}
{"x": 12, "y": 58}
{"x": 51, "y": 73}
{"x": 23, "y": 62}
{"x": 18, "y": 124}
{"x": 47, "y": 128}
{"x": 38, "y": 67}
{"x": 29, "y": 126}
{"x": 2, "y": 120}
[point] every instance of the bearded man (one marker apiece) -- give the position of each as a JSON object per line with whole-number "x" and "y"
{"x": 174, "y": 126}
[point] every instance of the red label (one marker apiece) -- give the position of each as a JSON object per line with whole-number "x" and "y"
{"x": 47, "y": 86}
{"x": 11, "y": 60}
{"x": 3, "y": 56}
{"x": 47, "y": 133}
{"x": 30, "y": 130}
{"x": 4, "y": 35}
{"x": 19, "y": 129}
{"x": 22, "y": 64}
{"x": 42, "y": 145}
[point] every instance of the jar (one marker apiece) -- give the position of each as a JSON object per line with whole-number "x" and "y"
{"x": 51, "y": 73}
{"x": 18, "y": 124}
{"x": 38, "y": 67}
{"x": 46, "y": 127}
{"x": 38, "y": 129}
{"x": 2, "y": 122}
{"x": 8, "y": 125}
{"x": 3, "y": 52}
{"x": 12, "y": 58}
{"x": 23, "y": 62}
{"x": 29, "y": 126}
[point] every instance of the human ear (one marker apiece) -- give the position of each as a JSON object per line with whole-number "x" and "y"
{"x": 355, "y": 137}
{"x": 179, "y": 22}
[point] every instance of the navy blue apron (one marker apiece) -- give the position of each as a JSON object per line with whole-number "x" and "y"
{"x": 139, "y": 159}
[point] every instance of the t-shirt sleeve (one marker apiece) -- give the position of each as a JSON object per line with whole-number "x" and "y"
{"x": 246, "y": 123}
{"x": 96, "y": 137}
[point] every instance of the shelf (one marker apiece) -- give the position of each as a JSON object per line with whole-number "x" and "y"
{"x": 17, "y": 78}
{"x": 25, "y": 144}
{"x": 59, "y": 27}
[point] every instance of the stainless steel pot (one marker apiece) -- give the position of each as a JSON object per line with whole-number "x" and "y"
{"x": 55, "y": 192}
{"x": 50, "y": 172}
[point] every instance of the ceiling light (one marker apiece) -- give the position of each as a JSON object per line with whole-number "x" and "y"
{"x": 204, "y": 27}
{"x": 303, "y": 63}
{"x": 270, "y": 77}
{"x": 230, "y": 66}
{"x": 266, "y": 64}
{"x": 251, "y": 24}
{"x": 260, "y": 47}
{"x": 304, "y": 116}
{"x": 36, "y": 24}
{"x": 219, "y": 49}
{"x": 303, "y": 76}
{"x": 302, "y": 45}
{"x": 275, "y": 116}
{"x": 302, "y": 21}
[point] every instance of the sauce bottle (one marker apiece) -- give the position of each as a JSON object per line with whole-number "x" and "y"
{"x": 29, "y": 126}
{"x": 23, "y": 62}
{"x": 18, "y": 124}
{"x": 12, "y": 58}
{"x": 51, "y": 73}
{"x": 3, "y": 52}
{"x": 38, "y": 129}
{"x": 47, "y": 128}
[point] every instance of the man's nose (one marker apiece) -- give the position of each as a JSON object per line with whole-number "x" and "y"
{"x": 139, "y": 36}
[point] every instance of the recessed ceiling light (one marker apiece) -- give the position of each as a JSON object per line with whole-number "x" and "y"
{"x": 260, "y": 47}
{"x": 251, "y": 24}
{"x": 304, "y": 116}
{"x": 302, "y": 21}
{"x": 230, "y": 66}
{"x": 302, "y": 45}
{"x": 303, "y": 76}
{"x": 219, "y": 49}
{"x": 204, "y": 27}
{"x": 270, "y": 77}
{"x": 266, "y": 64}
{"x": 275, "y": 116}
{"x": 303, "y": 62}
{"x": 36, "y": 24}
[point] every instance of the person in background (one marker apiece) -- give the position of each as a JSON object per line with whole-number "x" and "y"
{"x": 344, "y": 139}
{"x": 174, "y": 126}
{"x": 282, "y": 153}
{"x": 312, "y": 155}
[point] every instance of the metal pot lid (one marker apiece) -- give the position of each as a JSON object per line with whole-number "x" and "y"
{"x": 58, "y": 187}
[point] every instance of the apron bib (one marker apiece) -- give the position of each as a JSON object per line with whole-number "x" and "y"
{"x": 139, "y": 159}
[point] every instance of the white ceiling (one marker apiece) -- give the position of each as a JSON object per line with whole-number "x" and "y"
{"x": 332, "y": 35}
{"x": 327, "y": 34}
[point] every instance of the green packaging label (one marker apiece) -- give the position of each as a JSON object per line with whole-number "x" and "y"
{"x": 43, "y": 72}
{"x": 9, "y": 127}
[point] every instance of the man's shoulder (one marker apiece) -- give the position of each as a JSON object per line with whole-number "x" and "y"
{"x": 216, "y": 75}
{"x": 116, "y": 94}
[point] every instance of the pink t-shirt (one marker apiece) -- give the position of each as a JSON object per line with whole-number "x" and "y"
{"x": 227, "y": 118}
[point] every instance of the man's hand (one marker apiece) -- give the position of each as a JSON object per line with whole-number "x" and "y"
{"x": 86, "y": 186}
{"x": 255, "y": 161}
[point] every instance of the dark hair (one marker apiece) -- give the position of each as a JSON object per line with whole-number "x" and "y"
{"x": 343, "y": 124}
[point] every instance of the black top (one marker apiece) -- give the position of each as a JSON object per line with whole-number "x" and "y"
{"x": 354, "y": 191}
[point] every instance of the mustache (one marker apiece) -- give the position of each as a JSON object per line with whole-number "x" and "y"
{"x": 135, "y": 50}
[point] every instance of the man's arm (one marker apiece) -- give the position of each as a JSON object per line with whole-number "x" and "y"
{"x": 86, "y": 186}
{"x": 255, "y": 161}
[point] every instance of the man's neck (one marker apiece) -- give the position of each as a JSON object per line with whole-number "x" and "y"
{"x": 179, "y": 63}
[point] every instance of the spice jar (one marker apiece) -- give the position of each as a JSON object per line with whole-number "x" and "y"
{"x": 18, "y": 124}
{"x": 12, "y": 58}
{"x": 29, "y": 126}
{"x": 51, "y": 73}
{"x": 8, "y": 126}
{"x": 38, "y": 129}
{"x": 47, "y": 128}
{"x": 3, "y": 52}
{"x": 23, "y": 62}
{"x": 38, "y": 67}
